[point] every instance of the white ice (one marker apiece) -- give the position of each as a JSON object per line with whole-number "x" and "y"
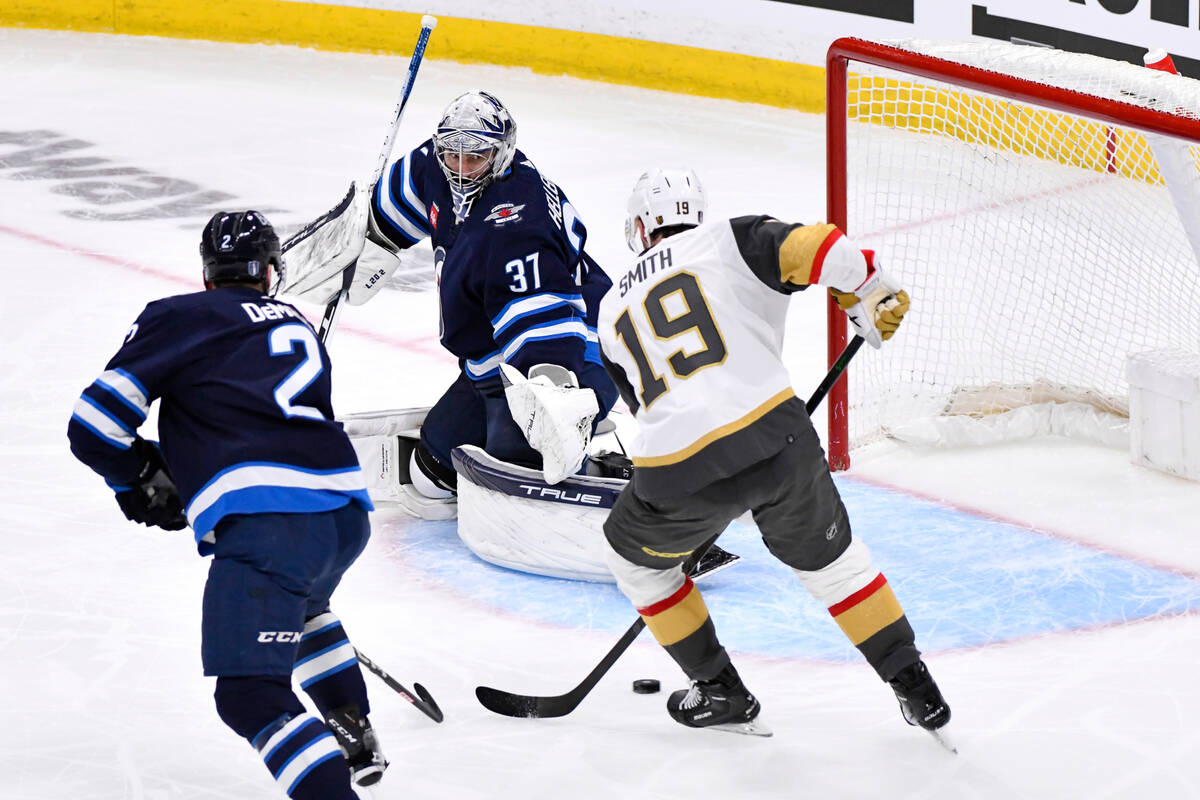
{"x": 101, "y": 694}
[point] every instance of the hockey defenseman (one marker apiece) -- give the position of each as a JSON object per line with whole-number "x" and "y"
{"x": 252, "y": 459}
{"x": 692, "y": 333}
{"x": 515, "y": 287}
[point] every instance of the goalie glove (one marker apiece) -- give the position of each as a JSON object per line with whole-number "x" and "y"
{"x": 322, "y": 250}
{"x": 153, "y": 499}
{"x": 554, "y": 414}
{"x": 876, "y": 308}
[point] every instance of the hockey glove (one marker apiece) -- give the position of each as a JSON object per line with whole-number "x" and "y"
{"x": 876, "y": 308}
{"x": 152, "y": 499}
{"x": 322, "y": 250}
{"x": 554, "y": 414}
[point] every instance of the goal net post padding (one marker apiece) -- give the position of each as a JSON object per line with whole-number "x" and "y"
{"x": 1016, "y": 193}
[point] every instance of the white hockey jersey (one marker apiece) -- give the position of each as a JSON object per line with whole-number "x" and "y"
{"x": 693, "y": 335}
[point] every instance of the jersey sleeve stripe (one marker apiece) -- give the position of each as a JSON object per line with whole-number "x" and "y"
{"x": 397, "y": 217}
{"x": 409, "y": 191}
{"x": 802, "y": 253}
{"x": 99, "y": 421}
{"x": 554, "y": 330}
{"x": 481, "y": 368}
{"x": 131, "y": 404}
{"x": 128, "y": 388}
{"x": 536, "y": 303}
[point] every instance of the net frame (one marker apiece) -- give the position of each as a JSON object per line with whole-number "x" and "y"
{"x": 1009, "y": 72}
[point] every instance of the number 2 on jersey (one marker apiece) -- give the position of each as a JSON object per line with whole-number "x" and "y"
{"x": 282, "y": 341}
{"x": 697, "y": 317}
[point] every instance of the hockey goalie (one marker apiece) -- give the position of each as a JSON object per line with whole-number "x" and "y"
{"x": 505, "y": 449}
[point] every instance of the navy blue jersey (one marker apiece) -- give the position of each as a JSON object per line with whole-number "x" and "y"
{"x": 246, "y": 425}
{"x": 514, "y": 281}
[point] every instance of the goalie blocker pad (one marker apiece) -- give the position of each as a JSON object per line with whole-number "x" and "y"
{"x": 510, "y": 516}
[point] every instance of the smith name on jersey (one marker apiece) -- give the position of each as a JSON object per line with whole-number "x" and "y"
{"x": 238, "y": 373}
{"x": 692, "y": 335}
{"x": 514, "y": 282}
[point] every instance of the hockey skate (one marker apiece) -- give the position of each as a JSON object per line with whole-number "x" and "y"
{"x": 921, "y": 702}
{"x": 722, "y": 704}
{"x": 359, "y": 744}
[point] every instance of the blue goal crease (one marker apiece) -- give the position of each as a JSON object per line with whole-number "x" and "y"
{"x": 964, "y": 581}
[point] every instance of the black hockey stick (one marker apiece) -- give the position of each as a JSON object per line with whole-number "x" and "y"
{"x": 423, "y": 700}
{"x": 522, "y": 705}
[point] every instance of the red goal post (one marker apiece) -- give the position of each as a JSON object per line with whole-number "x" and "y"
{"x": 1015, "y": 192}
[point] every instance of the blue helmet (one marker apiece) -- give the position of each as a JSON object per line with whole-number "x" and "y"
{"x": 239, "y": 246}
{"x": 475, "y": 123}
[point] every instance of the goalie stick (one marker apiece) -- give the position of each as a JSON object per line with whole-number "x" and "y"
{"x": 422, "y": 701}
{"x": 510, "y": 704}
{"x": 329, "y": 320}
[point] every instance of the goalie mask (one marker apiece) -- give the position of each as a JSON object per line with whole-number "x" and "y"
{"x": 663, "y": 198}
{"x": 475, "y": 144}
{"x": 239, "y": 247}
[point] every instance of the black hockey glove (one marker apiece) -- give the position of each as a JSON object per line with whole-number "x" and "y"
{"x": 152, "y": 499}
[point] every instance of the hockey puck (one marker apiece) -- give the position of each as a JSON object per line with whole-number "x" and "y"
{"x": 646, "y": 686}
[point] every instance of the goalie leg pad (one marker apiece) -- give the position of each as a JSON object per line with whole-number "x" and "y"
{"x": 510, "y": 516}
{"x": 385, "y": 442}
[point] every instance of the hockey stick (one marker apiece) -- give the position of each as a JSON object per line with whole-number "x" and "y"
{"x": 423, "y": 701}
{"x": 522, "y": 705}
{"x": 428, "y": 23}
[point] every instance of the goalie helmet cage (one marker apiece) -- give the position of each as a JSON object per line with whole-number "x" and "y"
{"x": 1015, "y": 192}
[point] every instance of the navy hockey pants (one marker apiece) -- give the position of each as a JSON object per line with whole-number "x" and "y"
{"x": 269, "y": 573}
{"x": 476, "y": 412}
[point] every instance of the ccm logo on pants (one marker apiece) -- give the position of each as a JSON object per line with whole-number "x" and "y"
{"x": 284, "y": 637}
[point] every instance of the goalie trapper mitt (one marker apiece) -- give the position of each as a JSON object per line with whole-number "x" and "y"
{"x": 876, "y": 308}
{"x": 152, "y": 499}
{"x": 554, "y": 414}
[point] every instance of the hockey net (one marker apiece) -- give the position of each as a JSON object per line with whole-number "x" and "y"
{"x": 1017, "y": 193}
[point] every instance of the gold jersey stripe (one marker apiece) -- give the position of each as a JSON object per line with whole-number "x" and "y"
{"x": 870, "y": 615}
{"x": 799, "y": 251}
{"x": 712, "y": 436}
{"x": 680, "y": 620}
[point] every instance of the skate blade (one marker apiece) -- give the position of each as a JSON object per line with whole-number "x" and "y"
{"x": 945, "y": 741}
{"x": 751, "y": 728}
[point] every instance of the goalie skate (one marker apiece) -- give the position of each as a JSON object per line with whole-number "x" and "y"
{"x": 383, "y": 442}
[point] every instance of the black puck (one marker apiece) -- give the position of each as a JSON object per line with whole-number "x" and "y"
{"x": 646, "y": 686}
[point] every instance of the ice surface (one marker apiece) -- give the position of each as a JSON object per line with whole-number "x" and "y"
{"x": 1053, "y": 584}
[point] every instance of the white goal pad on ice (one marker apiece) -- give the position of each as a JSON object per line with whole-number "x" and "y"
{"x": 510, "y": 516}
{"x": 1018, "y": 194}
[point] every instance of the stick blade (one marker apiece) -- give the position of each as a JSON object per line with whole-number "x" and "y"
{"x": 508, "y": 704}
{"x": 434, "y": 711}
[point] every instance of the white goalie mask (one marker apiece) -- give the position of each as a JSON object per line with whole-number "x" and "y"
{"x": 662, "y": 198}
{"x": 478, "y": 136}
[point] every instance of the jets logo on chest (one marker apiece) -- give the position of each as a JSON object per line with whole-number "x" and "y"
{"x": 505, "y": 212}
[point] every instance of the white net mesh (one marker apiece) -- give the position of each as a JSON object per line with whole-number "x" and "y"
{"x": 1040, "y": 248}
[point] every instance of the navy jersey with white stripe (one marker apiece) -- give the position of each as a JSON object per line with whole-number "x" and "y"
{"x": 514, "y": 281}
{"x": 245, "y": 424}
